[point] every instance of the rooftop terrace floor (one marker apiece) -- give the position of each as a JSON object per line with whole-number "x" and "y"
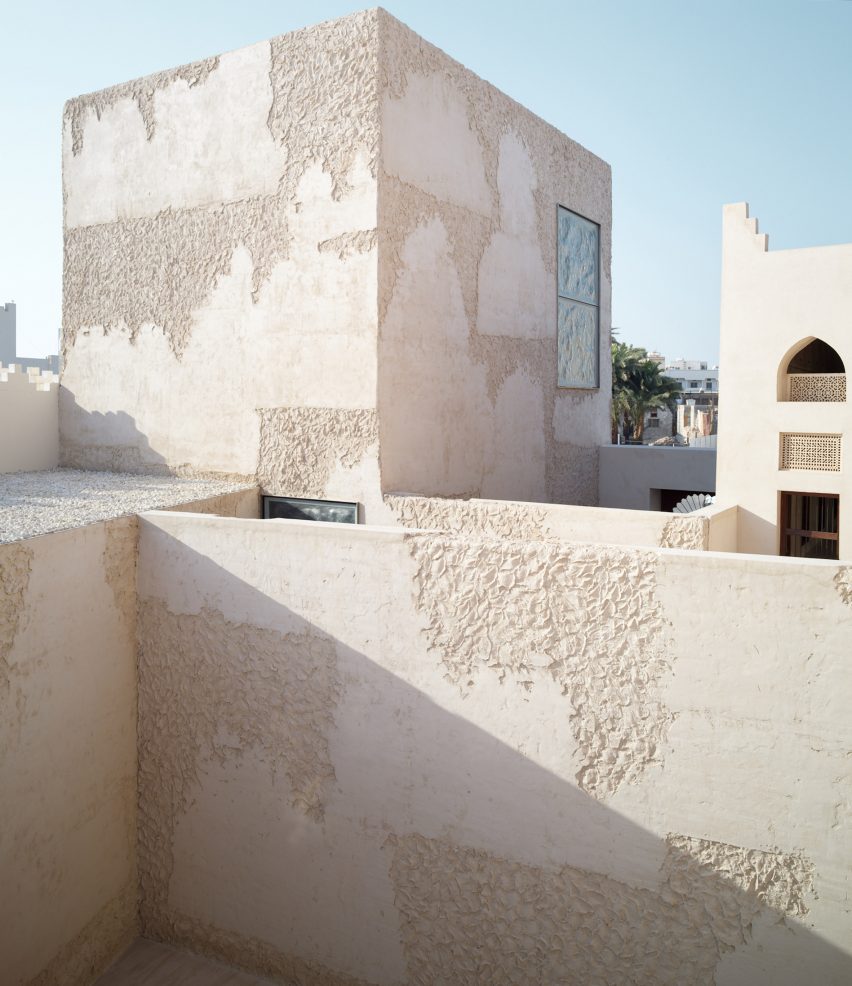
{"x": 33, "y": 503}
{"x": 148, "y": 963}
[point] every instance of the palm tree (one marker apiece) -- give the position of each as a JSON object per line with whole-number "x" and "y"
{"x": 650, "y": 389}
{"x": 637, "y": 387}
{"x": 624, "y": 360}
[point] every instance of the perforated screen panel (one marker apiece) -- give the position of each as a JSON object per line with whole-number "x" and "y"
{"x": 817, "y": 452}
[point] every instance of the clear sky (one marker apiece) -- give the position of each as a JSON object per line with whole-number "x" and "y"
{"x": 693, "y": 104}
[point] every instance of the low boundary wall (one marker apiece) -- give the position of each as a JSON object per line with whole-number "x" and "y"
{"x": 385, "y": 756}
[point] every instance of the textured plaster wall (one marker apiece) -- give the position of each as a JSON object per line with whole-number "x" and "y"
{"x": 548, "y": 521}
{"x": 220, "y": 257}
{"x": 338, "y": 225}
{"x": 29, "y": 411}
{"x": 773, "y": 303}
{"x": 67, "y": 754}
{"x": 469, "y": 184}
{"x": 378, "y": 756}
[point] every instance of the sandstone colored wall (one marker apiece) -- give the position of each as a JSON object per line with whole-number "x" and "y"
{"x": 774, "y": 301}
{"x": 549, "y": 521}
{"x": 385, "y": 757}
{"x": 29, "y": 412}
{"x": 220, "y": 263}
{"x": 290, "y": 255}
{"x": 469, "y": 185}
{"x": 68, "y": 874}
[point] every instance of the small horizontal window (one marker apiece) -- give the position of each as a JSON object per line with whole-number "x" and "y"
{"x": 297, "y": 508}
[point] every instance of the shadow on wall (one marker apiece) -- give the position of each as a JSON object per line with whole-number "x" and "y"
{"x": 763, "y": 535}
{"x": 108, "y": 442}
{"x": 304, "y": 809}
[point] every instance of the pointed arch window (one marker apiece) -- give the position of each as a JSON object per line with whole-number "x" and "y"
{"x": 815, "y": 373}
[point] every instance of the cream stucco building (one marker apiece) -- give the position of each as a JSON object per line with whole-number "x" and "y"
{"x": 344, "y": 240}
{"x": 786, "y": 343}
{"x": 473, "y": 741}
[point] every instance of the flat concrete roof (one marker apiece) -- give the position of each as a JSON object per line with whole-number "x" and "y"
{"x": 33, "y": 503}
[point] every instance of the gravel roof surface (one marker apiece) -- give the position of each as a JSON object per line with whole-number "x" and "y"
{"x": 34, "y": 503}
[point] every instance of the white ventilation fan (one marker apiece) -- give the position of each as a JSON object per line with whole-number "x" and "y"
{"x": 695, "y": 501}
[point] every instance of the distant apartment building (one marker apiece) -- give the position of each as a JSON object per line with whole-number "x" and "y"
{"x": 694, "y": 376}
{"x": 694, "y": 418}
{"x": 9, "y": 344}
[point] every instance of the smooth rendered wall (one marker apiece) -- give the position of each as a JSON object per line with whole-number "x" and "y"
{"x": 773, "y": 302}
{"x": 469, "y": 185}
{"x": 628, "y": 474}
{"x": 220, "y": 267}
{"x": 385, "y": 757}
{"x": 29, "y": 413}
{"x": 68, "y": 904}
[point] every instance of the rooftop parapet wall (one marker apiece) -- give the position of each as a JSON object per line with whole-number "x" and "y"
{"x": 29, "y": 419}
{"x": 648, "y": 780}
{"x": 68, "y": 753}
{"x": 550, "y": 522}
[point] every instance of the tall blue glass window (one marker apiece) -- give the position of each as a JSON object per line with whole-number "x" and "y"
{"x": 578, "y": 289}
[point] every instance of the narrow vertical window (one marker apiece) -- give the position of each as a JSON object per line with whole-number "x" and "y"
{"x": 578, "y": 289}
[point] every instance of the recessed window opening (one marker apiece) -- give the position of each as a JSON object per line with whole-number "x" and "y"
{"x": 815, "y": 373}
{"x": 816, "y": 357}
{"x": 810, "y": 525}
{"x": 298, "y": 508}
{"x": 578, "y": 300}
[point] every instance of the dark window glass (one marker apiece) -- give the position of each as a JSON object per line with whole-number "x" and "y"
{"x": 810, "y": 525}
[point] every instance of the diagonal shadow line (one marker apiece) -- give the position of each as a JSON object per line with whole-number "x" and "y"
{"x": 492, "y": 868}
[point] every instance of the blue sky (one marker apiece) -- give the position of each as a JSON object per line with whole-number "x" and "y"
{"x": 693, "y": 105}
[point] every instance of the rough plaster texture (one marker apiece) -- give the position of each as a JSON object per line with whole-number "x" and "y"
{"x": 234, "y": 222}
{"x": 29, "y": 409}
{"x": 616, "y": 793}
{"x": 685, "y": 532}
{"x": 518, "y": 520}
{"x": 843, "y": 584}
{"x": 67, "y": 754}
{"x": 712, "y": 529}
{"x": 774, "y": 302}
{"x": 340, "y": 218}
{"x": 95, "y": 947}
{"x": 588, "y": 618}
{"x": 141, "y": 91}
{"x": 468, "y": 191}
{"x": 571, "y": 925}
{"x": 300, "y": 448}
{"x": 15, "y": 566}
{"x": 194, "y": 709}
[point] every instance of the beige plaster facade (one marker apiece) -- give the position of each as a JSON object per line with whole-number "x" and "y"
{"x": 69, "y": 748}
{"x": 336, "y": 800}
{"x": 29, "y": 411}
{"x": 774, "y": 302}
{"x": 67, "y": 753}
{"x": 496, "y": 741}
{"x": 339, "y": 243}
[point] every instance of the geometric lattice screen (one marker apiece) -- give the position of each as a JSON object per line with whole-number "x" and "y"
{"x": 817, "y": 386}
{"x": 818, "y": 452}
{"x": 578, "y": 289}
